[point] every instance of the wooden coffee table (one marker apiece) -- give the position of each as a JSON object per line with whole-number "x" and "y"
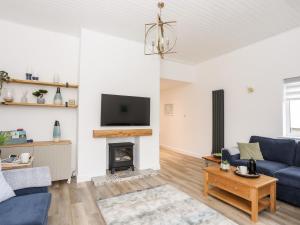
{"x": 211, "y": 158}
{"x": 249, "y": 195}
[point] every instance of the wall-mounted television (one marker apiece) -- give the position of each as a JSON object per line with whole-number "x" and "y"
{"x": 120, "y": 110}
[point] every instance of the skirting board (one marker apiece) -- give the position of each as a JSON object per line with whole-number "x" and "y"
{"x": 184, "y": 152}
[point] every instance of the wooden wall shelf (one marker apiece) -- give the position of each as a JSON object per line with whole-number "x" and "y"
{"x": 121, "y": 133}
{"x": 37, "y": 82}
{"x": 37, "y": 143}
{"x": 37, "y": 105}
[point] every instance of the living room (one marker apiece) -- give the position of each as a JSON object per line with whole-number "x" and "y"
{"x": 68, "y": 67}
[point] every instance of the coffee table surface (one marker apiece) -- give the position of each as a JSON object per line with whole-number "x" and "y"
{"x": 230, "y": 175}
{"x": 212, "y": 158}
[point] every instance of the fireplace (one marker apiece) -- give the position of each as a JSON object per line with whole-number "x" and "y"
{"x": 120, "y": 156}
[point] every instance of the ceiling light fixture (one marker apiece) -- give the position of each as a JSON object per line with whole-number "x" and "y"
{"x": 160, "y": 37}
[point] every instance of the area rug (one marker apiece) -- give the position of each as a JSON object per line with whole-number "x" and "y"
{"x": 125, "y": 175}
{"x": 164, "y": 205}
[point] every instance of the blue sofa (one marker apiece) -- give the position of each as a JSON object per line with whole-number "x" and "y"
{"x": 30, "y": 205}
{"x": 281, "y": 160}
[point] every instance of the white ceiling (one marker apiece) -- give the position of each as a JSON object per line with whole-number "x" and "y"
{"x": 206, "y": 28}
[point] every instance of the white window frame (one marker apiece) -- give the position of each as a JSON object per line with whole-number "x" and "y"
{"x": 287, "y": 119}
{"x": 287, "y": 129}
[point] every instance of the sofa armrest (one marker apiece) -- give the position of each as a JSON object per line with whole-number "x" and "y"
{"x": 230, "y": 155}
{"x": 28, "y": 178}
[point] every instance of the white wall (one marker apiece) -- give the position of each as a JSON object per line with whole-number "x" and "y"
{"x": 115, "y": 66}
{"x": 177, "y": 71}
{"x": 183, "y": 131}
{"x": 180, "y": 132}
{"x": 262, "y": 66}
{"x": 47, "y": 53}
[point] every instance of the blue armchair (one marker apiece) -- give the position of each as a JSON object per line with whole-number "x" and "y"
{"x": 32, "y": 201}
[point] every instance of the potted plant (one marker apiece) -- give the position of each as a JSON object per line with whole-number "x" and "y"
{"x": 225, "y": 165}
{"x": 3, "y": 78}
{"x": 40, "y": 96}
{"x": 2, "y": 138}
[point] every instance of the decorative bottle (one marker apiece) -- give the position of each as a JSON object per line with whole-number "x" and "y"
{"x": 57, "y": 97}
{"x": 56, "y": 132}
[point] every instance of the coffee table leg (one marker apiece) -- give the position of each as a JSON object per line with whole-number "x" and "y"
{"x": 206, "y": 163}
{"x": 254, "y": 205}
{"x": 273, "y": 197}
{"x": 205, "y": 184}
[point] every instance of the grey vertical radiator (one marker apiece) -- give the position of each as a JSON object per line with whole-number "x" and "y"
{"x": 218, "y": 121}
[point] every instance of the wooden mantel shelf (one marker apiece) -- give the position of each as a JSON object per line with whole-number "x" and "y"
{"x": 121, "y": 133}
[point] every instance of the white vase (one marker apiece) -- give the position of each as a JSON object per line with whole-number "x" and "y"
{"x": 225, "y": 166}
{"x": 40, "y": 100}
{"x": 8, "y": 95}
{"x": 24, "y": 97}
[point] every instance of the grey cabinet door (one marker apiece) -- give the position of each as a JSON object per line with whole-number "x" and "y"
{"x": 6, "y": 152}
{"x": 57, "y": 158}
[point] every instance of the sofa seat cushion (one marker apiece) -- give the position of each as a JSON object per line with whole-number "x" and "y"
{"x": 266, "y": 167}
{"x": 278, "y": 150}
{"x": 289, "y": 176}
{"x": 25, "y": 210}
{"x": 269, "y": 168}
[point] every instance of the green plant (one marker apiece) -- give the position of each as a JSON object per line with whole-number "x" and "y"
{"x": 219, "y": 154}
{"x": 225, "y": 162}
{"x": 40, "y": 93}
{"x": 3, "y": 78}
{"x": 2, "y": 138}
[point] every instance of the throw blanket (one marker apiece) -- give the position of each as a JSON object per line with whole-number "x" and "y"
{"x": 27, "y": 178}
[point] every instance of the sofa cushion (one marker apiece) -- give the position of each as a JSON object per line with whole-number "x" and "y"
{"x": 250, "y": 151}
{"x": 269, "y": 168}
{"x": 263, "y": 166}
{"x": 28, "y": 177}
{"x": 25, "y": 210}
{"x": 278, "y": 150}
{"x": 289, "y": 176}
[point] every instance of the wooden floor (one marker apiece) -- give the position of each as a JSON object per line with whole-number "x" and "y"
{"x": 75, "y": 204}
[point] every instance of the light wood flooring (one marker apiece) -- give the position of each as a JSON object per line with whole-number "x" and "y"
{"x": 75, "y": 204}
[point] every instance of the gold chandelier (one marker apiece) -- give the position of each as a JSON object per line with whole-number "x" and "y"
{"x": 160, "y": 37}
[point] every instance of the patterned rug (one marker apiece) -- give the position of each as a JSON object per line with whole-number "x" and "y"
{"x": 125, "y": 175}
{"x": 164, "y": 205}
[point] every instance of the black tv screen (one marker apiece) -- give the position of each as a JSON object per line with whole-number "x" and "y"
{"x": 119, "y": 110}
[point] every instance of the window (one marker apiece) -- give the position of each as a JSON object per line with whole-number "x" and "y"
{"x": 292, "y": 107}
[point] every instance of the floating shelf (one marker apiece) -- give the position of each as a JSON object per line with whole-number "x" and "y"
{"x": 37, "y": 105}
{"x": 37, "y": 82}
{"x": 121, "y": 133}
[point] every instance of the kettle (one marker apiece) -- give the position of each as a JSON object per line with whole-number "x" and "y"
{"x": 252, "y": 166}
